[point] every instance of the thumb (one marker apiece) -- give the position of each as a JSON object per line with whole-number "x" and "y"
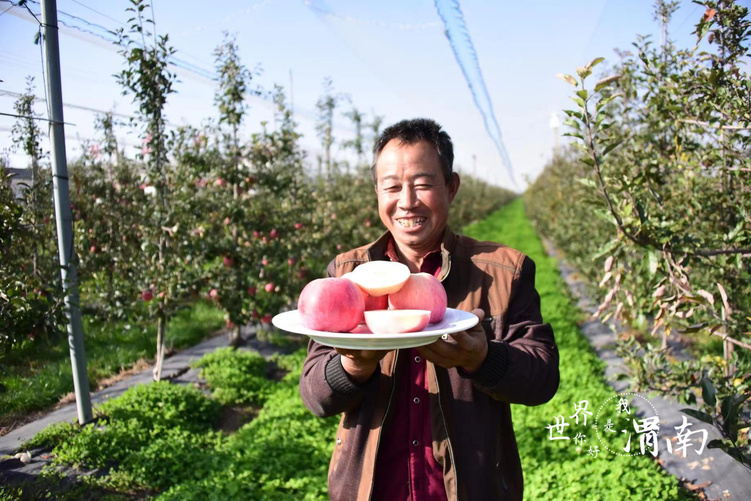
{"x": 479, "y": 313}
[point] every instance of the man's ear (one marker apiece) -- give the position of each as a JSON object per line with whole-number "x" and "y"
{"x": 453, "y": 186}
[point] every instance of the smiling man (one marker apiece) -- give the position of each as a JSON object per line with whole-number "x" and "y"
{"x": 434, "y": 422}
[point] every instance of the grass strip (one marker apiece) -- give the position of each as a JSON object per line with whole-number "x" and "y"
{"x": 559, "y": 469}
{"x": 36, "y": 375}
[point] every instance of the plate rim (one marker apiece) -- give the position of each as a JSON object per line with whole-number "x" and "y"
{"x": 408, "y": 339}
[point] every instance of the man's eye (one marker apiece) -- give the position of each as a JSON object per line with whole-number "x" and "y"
{"x": 391, "y": 188}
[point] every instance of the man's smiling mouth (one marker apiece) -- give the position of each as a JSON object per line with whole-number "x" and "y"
{"x": 410, "y": 222}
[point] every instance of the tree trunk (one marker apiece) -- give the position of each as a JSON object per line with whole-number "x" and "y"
{"x": 234, "y": 336}
{"x": 161, "y": 329}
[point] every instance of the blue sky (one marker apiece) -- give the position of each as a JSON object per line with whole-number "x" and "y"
{"x": 391, "y": 57}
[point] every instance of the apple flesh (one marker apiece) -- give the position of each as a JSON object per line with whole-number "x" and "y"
{"x": 331, "y": 305}
{"x": 396, "y": 321}
{"x": 379, "y": 278}
{"x": 421, "y": 291}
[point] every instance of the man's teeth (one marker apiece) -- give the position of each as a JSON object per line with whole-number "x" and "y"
{"x": 411, "y": 222}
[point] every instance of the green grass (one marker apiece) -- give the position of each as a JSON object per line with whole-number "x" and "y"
{"x": 36, "y": 375}
{"x": 163, "y": 438}
{"x": 283, "y": 454}
{"x": 556, "y": 469}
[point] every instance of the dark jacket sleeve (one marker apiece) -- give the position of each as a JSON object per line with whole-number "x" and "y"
{"x": 325, "y": 387}
{"x": 522, "y": 362}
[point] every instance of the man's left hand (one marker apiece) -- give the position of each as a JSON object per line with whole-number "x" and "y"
{"x": 466, "y": 349}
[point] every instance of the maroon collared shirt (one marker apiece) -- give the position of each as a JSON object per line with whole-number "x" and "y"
{"x": 405, "y": 468}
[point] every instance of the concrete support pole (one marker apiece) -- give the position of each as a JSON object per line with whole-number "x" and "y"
{"x": 63, "y": 216}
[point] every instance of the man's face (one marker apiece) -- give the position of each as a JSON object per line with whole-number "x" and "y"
{"x": 413, "y": 196}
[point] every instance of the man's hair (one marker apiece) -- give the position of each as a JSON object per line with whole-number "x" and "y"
{"x": 412, "y": 131}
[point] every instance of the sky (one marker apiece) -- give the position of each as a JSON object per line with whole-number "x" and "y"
{"x": 390, "y": 57}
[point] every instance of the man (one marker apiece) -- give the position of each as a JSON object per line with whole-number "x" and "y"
{"x": 434, "y": 422}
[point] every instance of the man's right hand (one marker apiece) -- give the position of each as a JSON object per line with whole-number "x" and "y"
{"x": 360, "y": 364}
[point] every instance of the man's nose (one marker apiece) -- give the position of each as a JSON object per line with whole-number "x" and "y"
{"x": 407, "y": 198}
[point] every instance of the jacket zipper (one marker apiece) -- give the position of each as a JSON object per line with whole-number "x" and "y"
{"x": 385, "y": 414}
{"x": 448, "y": 439}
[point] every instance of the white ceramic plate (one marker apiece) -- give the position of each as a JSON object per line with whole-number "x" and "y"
{"x": 453, "y": 321}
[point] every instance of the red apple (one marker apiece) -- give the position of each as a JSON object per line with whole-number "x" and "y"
{"x": 273, "y": 234}
{"x": 147, "y": 295}
{"x": 228, "y": 261}
{"x": 266, "y": 319}
{"x": 371, "y": 302}
{"x": 331, "y": 304}
{"x": 269, "y": 287}
{"x": 422, "y": 291}
{"x": 214, "y": 294}
{"x": 251, "y": 291}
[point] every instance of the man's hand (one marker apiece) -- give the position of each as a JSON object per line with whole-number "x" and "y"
{"x": 360, "y": 364}
{"x": 466, "y": 349}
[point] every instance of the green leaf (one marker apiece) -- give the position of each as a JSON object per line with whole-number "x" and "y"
{"x": 700, "y": 415}
{"x": 716, "y": 444}
{"x": 594, "y": 62}
{"x": 583, "y": 72}
{"x": 603, "y": 102}
{"x": 583, "y": 94}
{"x": 573, "y": 113}
{"x": 706, "y": 295}
{"x": 573, "y": 134}
{"x": 578, "y": 101}
{"x": 588, "y": 161}
{"x": 607, "y": 248}
{"x": 582, "y": 147}
{"x": 708, "y": 392}
{"x": 729, "y": 408}
{"x": 611, "y": 146}
{"x": 570, "y": 122}
{"x": 734, "y": 232}
{"x": 568, "y": 79}
{"x": 693, "y": 328}
{"x": 604, "y": 82}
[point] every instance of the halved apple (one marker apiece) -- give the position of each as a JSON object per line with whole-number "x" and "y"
{"x": 379, "y": 278}
{"x": 396, "y": 321}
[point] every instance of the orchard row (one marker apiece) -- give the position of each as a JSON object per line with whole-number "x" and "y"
{"x": 653, "y": 204}
{"x": 197, "y": 213}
